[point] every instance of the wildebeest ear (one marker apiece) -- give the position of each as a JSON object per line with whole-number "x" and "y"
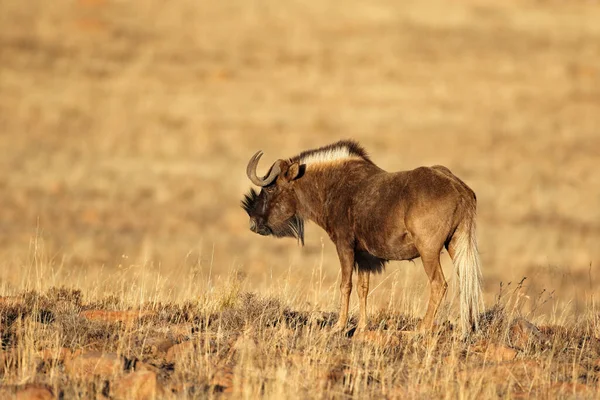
{"x": 294, "y": 171}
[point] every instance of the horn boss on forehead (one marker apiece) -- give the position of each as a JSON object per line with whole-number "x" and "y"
{"x": 251, "y": 171}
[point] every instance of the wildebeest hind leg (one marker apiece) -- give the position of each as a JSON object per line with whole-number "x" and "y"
{"x": 438, "y": 286}
{"x": 346, "y": 256}
{"x": 363, "y": 291}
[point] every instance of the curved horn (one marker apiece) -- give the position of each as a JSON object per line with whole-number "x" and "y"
{"x": 251, "y": 171}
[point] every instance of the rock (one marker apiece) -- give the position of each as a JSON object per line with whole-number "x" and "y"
{"x": 177, "y": 388}
{"x": 177, "y": 332}
{"x": 181, "y": 351}
{"x": 142, "y": 366}
{"x": 523, "y": 333}
{"x": 337, "y": 373}
{"x": 10, "y": 300}
{"x": 55, "y": 355}
{"x": 127, "y": 317}
{"x": 180, "y": 332}
{"x": 500, "y": 353}
{"x": 558, "y": 390}
{"x": 242, "y": 347}
{"x": 562, "y": 389}
{"x": 411, "y": 335}
{"x": 158, "y": 345}
{"x": 88, "y": 365}
{"x": 244, "y": 344}
{"x": 193, "y": 347}
{"x": 222, "y": 380}
{"x": 29, "y": 391}
{"x": 494, "y": 352}
{"x": 139, "y": 385}
{"x": 554, "y": 330}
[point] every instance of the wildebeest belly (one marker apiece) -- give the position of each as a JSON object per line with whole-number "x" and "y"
{"x": 387, "y": 210}
{"x": 398, "y": 246}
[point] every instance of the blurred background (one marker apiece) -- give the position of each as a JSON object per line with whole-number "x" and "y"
{"x": 126, "y": 127}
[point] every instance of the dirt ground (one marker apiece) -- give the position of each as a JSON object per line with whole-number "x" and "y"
{"x": 125, "y": 130}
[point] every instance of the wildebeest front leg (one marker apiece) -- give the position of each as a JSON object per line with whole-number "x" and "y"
{"x": 363, "y": 291}
{"x": 346, "y": 256}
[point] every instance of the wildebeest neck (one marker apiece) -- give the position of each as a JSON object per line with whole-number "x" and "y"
{"x": 325, "y": 191}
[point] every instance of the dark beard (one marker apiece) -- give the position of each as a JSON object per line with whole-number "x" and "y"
{"x": 293, "y": 227}
{"x": 249, "y": 201}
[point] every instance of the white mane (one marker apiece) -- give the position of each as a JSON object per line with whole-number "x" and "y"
{"x": 328, "y": 155}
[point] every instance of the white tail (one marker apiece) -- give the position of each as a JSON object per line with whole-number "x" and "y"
{"x": 466, "y": 262}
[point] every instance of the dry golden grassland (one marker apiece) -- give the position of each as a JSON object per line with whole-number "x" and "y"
{"x": 127, "y": 269}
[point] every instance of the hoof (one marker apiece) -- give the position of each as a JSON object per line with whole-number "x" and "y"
{"x": 340, "y": 329}
{"x": 343, "y": 331}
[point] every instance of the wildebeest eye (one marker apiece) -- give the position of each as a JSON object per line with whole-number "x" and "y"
{"x": 269, "y": 189}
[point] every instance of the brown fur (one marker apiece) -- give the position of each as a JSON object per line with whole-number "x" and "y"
{"x": 373, "y": 216}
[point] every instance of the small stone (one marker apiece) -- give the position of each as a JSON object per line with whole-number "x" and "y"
{"x": 180, "y": 332}
{"x": 180, "y": 351}
{"x": 139, "y": 385}
{"x": 494, "y": 352}
{"x": 10, "y": 300}
{"x": 523, "y": 332}
{"x": 222, "y": 380}
{"x": 159, "y": 345}
{"x": 561, "y": 389}
{"x": 337, "y": 373}
{"x": 55, "y": 355}
{"x": 29, "y": 391}
{"x": 88, "y": 365}
{"x": 244, "y": 343}
{"x": 142, "y": 366}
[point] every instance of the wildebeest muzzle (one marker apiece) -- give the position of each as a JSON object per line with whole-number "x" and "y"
{"x": 258, "y": 227}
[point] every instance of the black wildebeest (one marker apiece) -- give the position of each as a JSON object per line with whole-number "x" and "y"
{"x": 373, "y": 216}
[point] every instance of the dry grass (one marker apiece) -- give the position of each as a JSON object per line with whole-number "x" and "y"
{"x": 241, "y": 343}
{"x": 125, "y": 130}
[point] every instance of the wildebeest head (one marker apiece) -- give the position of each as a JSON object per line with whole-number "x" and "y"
{"x": 273, "y": 211}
